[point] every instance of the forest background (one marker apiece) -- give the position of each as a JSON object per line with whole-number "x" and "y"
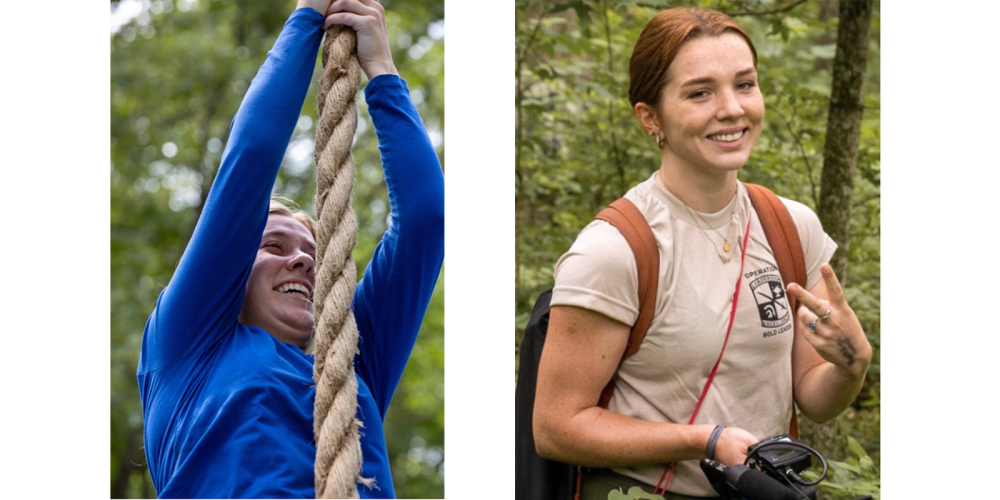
{"x": 179, "y": 70}
{"x": 579, "y": 147}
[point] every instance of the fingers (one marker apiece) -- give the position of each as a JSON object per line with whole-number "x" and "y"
{"x": 833, "y": 288}
{"x": 809, "y": 319}
{"x": 359, "y": 7}
{"x": 360, "y": 15}
{"x": 810, "y": 307}
{"x": 353, "y": 21}
{"x": 813, "y": 304}
{"x": 367, "y": 19}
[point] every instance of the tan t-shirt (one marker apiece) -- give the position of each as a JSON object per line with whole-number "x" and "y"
{"x": 752, "y": 389}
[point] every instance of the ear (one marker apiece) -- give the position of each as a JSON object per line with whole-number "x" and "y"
{"x": 647, "y": 117}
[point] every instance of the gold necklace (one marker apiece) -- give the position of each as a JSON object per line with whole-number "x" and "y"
{"x": 695, "y": 216}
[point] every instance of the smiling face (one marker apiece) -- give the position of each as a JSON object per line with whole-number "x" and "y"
{"x": 710, "y": 111}
{"x": 280, "y": 287}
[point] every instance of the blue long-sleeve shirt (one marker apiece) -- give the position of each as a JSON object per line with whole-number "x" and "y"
{"x": 227, "y": 407}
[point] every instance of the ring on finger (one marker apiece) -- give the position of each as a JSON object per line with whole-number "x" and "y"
{"x": 825, "y": 315}
{"x": 812, "y": 325}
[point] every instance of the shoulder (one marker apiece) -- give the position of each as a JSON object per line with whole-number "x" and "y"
{"x": 601, "y": 248}
{"x": 598, "y": 274}
{"x": 804, "y": 217}
{"x": 806, "y": 221}
{"x": 599, "y": 253}
{"x": 600, "y": 241}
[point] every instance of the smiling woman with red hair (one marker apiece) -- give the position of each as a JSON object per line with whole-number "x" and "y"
{"x": 226, "y": 385}
{"x": 694, "y": 90}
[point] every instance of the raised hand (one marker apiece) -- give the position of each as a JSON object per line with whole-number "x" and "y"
{"x": 367, "y": 18}
{"x": 830, "y": 324}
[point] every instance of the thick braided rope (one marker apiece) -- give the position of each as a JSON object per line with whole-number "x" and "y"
{"x": 338, "y": 450}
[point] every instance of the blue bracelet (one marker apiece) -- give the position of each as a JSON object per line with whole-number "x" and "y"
{"x": 710, "y": 452}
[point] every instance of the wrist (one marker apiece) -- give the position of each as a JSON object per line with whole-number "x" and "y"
{"x": 856, "y": 367}
{"x": 381, "y": 68}
{"x": 713, "y": 440}
{"x": 851, "y": 374}
{"x": 697, "y": 442}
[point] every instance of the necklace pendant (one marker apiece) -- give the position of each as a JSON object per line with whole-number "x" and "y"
{"x": 726, "y": 246}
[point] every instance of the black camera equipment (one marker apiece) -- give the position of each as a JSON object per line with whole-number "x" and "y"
{"x": 770, "y": 472}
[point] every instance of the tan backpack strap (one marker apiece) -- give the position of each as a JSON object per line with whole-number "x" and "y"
{"x": 783, "y": 237}
{"x": 624, "y": 216}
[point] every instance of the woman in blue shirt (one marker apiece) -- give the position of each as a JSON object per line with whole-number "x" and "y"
{"x": 226, "y": 387}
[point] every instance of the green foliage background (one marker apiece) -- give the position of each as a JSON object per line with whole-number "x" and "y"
{"x": 579, "y": 146}
{"x": 178, "y": 74}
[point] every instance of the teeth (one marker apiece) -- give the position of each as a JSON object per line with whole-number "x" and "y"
{"x": 726, "y": 137}
{"x": 294, "y": 288}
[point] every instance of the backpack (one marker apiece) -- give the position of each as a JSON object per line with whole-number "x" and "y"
{"x": 543, "y": 479}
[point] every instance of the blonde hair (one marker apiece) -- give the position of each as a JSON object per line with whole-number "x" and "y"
{"x": 283, "y": 206}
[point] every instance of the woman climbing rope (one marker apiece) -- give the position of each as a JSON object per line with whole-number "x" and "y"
{"x": 226, "y": 386}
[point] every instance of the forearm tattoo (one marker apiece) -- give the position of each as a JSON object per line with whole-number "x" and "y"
{"x": 847, "y": 350}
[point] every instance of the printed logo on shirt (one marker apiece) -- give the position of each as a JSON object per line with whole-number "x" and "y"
{"x": 772, "y": 305}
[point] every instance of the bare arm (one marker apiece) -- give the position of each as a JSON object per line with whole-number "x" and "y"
{"x": 828, "y": 365}
{"x": 580, "y": 355}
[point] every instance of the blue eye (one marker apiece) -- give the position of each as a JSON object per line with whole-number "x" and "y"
{"x": 698, "y": 94}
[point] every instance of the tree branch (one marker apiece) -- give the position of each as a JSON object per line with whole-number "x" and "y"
{"x": 861, "y": 202}
{"x": 520, "y": 54}
{"x": 519, "y": 131}
{"x": 802, "y": 151}
{"x": 611, "y": 115}
{"x": 777, "y": 10}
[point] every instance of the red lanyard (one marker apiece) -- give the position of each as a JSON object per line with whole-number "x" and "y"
{"x": 668, "y": 472}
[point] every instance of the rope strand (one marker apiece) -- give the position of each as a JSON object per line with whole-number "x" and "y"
{"x": 338, "y": 449}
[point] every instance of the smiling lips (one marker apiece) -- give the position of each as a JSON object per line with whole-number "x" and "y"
{"x": 296, "y": 289}
{"x": 728, "y": 137}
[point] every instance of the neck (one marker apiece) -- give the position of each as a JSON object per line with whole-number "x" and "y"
{"x": 702, "y": 191}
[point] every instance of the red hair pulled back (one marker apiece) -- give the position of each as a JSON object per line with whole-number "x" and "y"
{"x": 663, "y": 37}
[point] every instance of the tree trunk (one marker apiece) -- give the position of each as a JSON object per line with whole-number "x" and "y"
{"x": 839, "y": 159}
{"x": 518, "y": 178}
{"x": 844, "y": 126}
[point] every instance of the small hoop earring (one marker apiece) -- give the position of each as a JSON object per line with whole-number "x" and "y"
{"x": 659, "y": 140}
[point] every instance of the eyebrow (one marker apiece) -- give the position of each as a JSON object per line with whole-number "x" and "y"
{"x": 707, "y": 79}
{"x": 285, "y": 235}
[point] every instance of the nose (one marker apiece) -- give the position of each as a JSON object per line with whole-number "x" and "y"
{"x": 300, "y": 260}
{"x": 729, "y": 106}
